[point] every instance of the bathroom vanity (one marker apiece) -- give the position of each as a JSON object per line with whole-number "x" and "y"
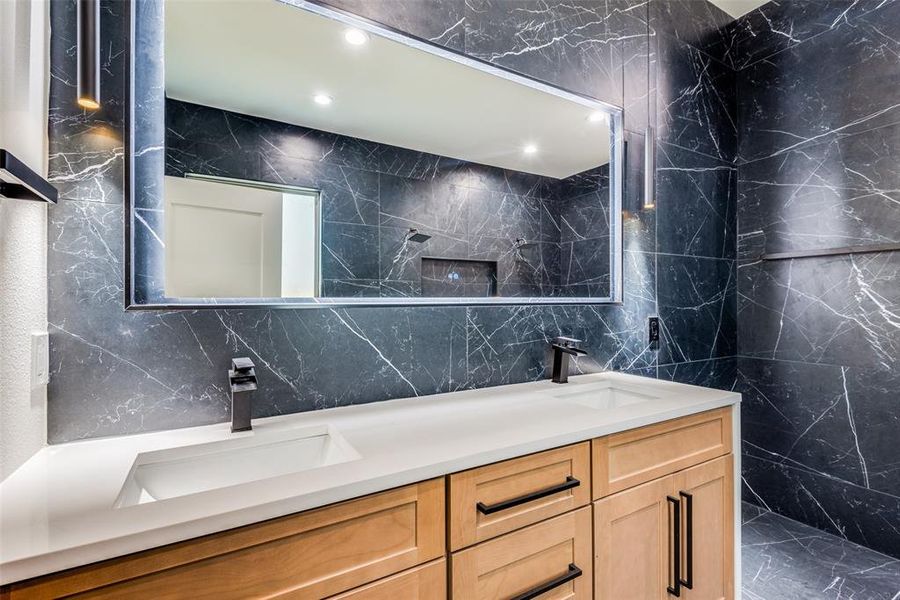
{"x": 610, "y": 486}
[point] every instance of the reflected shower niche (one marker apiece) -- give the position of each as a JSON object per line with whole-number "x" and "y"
{"x": 452, "y": 278}
{"x": 396, "y": 172}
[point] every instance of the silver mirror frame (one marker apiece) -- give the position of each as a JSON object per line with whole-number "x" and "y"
{"x": 616, "y": 174}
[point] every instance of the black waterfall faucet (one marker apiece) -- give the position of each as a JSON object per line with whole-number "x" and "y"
{"x": 242, "y": 378}
{"x": 563, "y": 348}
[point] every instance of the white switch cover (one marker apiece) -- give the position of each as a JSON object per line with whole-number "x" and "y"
{"x": 40, "y": 359}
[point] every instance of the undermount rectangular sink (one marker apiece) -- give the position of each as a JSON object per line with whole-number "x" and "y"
{"x": 605, "y": 395}
{"x": 175, "y": 472}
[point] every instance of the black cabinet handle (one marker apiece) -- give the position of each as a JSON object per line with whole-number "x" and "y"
{"x": 573, "y": 573}
{"x": 487, "y": 509}
{"x": 675, "y": 547}
{"x": 689, "y": 539}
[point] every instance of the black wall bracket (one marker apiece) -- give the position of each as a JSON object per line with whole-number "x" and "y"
{"x": 20, "y": 182}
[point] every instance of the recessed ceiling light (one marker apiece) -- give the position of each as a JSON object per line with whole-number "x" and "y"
{"x": 323, "y": 99}
{"x": 355, "y": 37}
{"x": 530, "y": 149}
{"x": 596, "y": 117}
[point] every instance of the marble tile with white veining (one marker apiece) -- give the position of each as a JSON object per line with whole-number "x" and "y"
{"x": 838, "y": 310}
{"x": 852, "y": 512}
{"x": 575, "y": 45}
{"x": 798, "y": 97}
{"x": 697, "y": 308}
{"x": 782, "y": 558}
{"x": 703, "y": 25}
{"x": 719, "y": 373}
{"x": 833, "y": 420}
{"x": 843, "y": 192}
{"x": 696, "y": 102}
{"x": 438, "y": 21}
{"x": 783, "y": 24}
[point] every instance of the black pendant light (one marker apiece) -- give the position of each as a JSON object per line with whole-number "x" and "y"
{"x": 89, "y": 54}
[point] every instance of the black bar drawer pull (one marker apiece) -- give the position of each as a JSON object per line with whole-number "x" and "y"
{"x": 573, "y": 573}
{"x": 487, "y": 509}
{"x": 689, "y": 540}
{"x": 675, "y": 547}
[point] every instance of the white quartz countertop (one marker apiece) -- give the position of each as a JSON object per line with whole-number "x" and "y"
{"x": 58, "y": 510}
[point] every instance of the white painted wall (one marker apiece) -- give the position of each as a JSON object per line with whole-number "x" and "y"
{"x": 24, "y": 61}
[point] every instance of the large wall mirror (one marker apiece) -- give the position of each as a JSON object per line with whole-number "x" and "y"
{"x": 289, "y": 153}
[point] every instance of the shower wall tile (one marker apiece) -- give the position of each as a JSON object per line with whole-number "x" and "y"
{"x": 854, "y": 513}
{"x": 818, "y": 338}
{"x": 838, "y": 310}
{"x": 843, "y": 192}
{"x": 783, "y": 24}
{"x": 832, "y": 420}
{"x": 799, "y": 96}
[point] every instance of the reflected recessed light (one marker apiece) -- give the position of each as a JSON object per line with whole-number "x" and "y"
{"x": 530, "y": 149}
{"x": 597, "y": 117}
{"x": 355, "y": 37}
{"x": 323, "y": 99}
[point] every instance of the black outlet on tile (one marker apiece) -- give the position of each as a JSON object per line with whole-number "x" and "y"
{"x": 653, "y": 327}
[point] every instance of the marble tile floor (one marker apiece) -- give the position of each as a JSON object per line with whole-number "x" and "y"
{"x": 787, "y": 560}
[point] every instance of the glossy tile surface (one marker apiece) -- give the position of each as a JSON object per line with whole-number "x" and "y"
{"x": 819, "y": 338}
{"x": 786, "y": 560}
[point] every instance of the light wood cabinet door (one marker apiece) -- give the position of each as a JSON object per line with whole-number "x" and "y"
{"x": 630, "y": 458}
{"x": 553, "y": 556}
{"x": 706, "y": 493}
{"x": 425, "y": 582}
{"x": 632, "y": 543}
{"x": 505, "y": 496}
{"x": 310, "y": 555}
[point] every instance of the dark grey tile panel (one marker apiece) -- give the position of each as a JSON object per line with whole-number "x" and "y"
{"x": 857, "y": 514}
{"x": 696, "y": 201}
{"x": 697, "y": 308}
{"x": 782, "y": 558}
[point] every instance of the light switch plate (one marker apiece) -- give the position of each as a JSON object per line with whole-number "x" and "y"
{"x": 40, "y": 358}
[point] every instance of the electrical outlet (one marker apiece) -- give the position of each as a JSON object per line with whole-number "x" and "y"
{"x": 654, "y": 330}
{"x": 40, "y": 359}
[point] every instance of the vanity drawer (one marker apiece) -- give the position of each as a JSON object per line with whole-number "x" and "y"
{"x": 499, "y": 498}
{"x": 624, "y": 460}
{"x": 425, "y": 582}
{"x": 314, "y": 554}
{"x": 553, "y": 557}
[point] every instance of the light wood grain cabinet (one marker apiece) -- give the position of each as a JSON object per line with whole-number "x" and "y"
{"x": 707, "y": 536}
{"x": 671, "y": 537}
{"x": 499, "y": 498}
{"x": 631, "y": 536}
{"x": 552, "y": 557}
{"x": 630, "y": 458}
{"x": 425, "y": 582}
{"x": 314, "y": 554}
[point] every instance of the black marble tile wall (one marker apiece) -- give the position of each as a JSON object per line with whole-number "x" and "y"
{"x": 115, "y": 371}
{"x": 819, "y": 338}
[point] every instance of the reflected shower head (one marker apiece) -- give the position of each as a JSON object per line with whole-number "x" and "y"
{"x": 415, "y": 236}
{"x": 523, "y": 243}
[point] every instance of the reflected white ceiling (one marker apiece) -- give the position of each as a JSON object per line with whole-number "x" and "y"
{"x": 269, "y": 59}
{"x": 738, "y": 8}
